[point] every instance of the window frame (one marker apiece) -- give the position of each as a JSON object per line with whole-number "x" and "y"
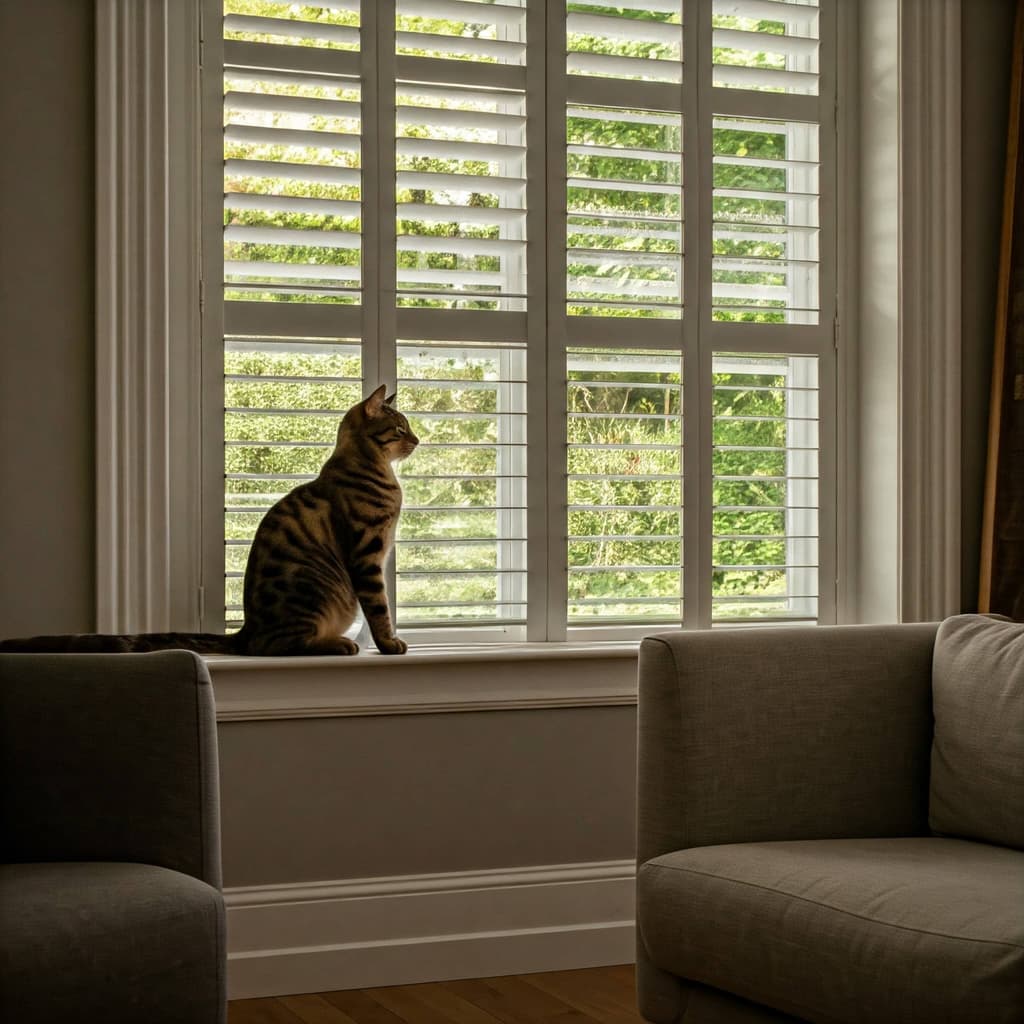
{"x": 140, "y": 564}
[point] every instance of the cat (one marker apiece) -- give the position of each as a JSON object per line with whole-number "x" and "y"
{"x": 317, "y": 556}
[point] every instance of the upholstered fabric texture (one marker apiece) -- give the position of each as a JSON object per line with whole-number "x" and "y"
{"x": 111, "y": 943}
{"x": 783, "y": 734}
{"x": 907, "y": 931}
{"x": 977, "y": 763}
{"x": 109, "y": 757}
{"x": 712, "y": 1006}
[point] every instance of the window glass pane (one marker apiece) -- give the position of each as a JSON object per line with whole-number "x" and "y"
{"x": 292, "y": 152}
{"x": 625, "y": 214}
{"x": 630, "y": 39}
{"x": 766, "y": 45}
{"x": 766, "y": 221}
{"x": 461, "y": 192}
{"x": 471, "y": 30}
{"x": 328, "y": 24}
{"x": 625, "y": 521}
{"x": 284, "y": 399}
{"x": 461, "y": 543}
{"x": 765, "y": 466}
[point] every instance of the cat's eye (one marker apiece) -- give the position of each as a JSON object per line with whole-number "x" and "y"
{"x": 401, "y": 430}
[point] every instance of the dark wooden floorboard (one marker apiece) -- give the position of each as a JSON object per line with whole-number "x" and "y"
{"x": 260, "y": 1011}
{"x": 362, "y": 1008}
{"x": 315, "y": 1009}
{"x": 451, "y": 1005}
{"x": 531, "y": 1005}
{"x": 602, "y": 995}
{"x": 586, "y": 994}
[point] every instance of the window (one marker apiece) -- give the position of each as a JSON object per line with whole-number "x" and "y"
{"x": 594, "y": 247}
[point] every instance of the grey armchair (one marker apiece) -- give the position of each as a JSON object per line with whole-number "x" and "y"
{"x": 110, "y": 902}
{"x": 787, "y": 868}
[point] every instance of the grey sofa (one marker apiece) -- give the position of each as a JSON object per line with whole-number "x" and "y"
{"x": 110, "y": 902}
{"x": 831, "y": 825}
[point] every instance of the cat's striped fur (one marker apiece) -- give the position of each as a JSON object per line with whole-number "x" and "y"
{"x": 317, "y": 556}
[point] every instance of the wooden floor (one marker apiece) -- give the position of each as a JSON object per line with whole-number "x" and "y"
{"x": 603, "y": 995}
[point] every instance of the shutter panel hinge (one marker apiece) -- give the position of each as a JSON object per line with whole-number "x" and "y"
{"x": 201, "y": 601}
{"x": 835, "y": 332}
{"x": 202, "y": 297}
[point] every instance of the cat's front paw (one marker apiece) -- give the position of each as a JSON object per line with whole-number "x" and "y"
{"x": 392, "y": 645}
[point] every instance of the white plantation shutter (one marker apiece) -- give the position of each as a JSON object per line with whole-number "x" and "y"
{"x": 460, "y": 112}
{"x": 593, "y": 246}
{"x": 292, "y": 253}
{"x": 465, "y": 501}
{"x": 622, "y": 260}
{"x": 283, "y": 399}
{"x": 292, "y": 116}
{"x": 625, "y": 474}
{"x": 463, "y": 214}
{"x": 766, "y": 502}
{"x": 769, "y": 45}
{"x": 626, "y": 194}
{"x": 772, "y": 276}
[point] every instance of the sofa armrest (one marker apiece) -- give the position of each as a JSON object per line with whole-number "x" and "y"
{"x": 790, "y": 733}
{"x": 109, "y": 757}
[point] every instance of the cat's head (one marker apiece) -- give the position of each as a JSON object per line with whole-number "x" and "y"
{"x": 379, "y": 424}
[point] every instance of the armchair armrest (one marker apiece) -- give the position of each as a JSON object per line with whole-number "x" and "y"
{"x": 109, "y": 757}
{"x": 750, "y": 735}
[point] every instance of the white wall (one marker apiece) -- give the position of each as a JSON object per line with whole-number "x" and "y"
{"x": 47, "y": 264}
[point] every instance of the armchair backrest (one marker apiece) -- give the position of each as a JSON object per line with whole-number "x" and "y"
{"x": 815, "y": 732}
{"x": 109, "y": 757}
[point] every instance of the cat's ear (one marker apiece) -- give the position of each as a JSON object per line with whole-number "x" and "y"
{"x": 390, "y": 400}
{"x": 374, "y": 403}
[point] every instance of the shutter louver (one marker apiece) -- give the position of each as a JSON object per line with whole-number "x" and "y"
{"x": 461, "y": 155}
{"x": 624, "y": 198}
{"x": 641, "y": 41}
{"x": 765, "y": 466}
{"x": 283, "y": 398}
{"x": 766, "y": 221}
{"x": 769, "y": 45}
{"x": 624, "y": 228}
{"x": 292, "y": 123}
{"x": 461, "y": 209}
{"x": 461, "y": 545}
{"x": 624, "y": 486}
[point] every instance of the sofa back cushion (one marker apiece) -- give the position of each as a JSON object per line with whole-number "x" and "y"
{"x": 977, "y": 769}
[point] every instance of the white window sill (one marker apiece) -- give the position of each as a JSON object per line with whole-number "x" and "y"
{"x": 493, "y": 677}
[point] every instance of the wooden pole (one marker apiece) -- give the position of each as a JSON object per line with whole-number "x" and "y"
{"x": 1001, "y": 584}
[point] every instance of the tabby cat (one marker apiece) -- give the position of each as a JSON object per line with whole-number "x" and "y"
{"x": 318, "y": 554}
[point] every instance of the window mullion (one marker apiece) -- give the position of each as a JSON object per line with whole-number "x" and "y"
{"x": 212, "y": 315}
{"x": 698, "y": 520}
{"x": 372, "y": 191}
{"x": 379, "y": 243}
{"x": 551, "y": 369}
{"x": 541, "y": 490}
{"x": 828, "y": 289}
{"x": 379, "y": 200}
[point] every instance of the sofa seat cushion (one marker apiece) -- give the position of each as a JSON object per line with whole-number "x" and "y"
{"x": 109, "y": 942}
{"x": 923, "y": 930}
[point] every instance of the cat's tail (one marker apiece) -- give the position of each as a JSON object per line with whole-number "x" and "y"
{"x": 99, "y": 643}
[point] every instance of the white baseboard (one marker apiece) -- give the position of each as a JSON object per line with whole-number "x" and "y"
{"x": 358, "y": 933}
